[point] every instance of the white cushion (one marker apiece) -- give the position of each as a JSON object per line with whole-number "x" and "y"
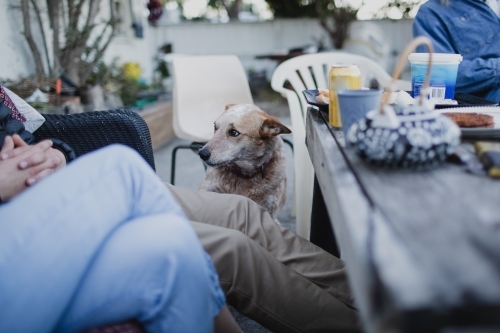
{"x": 31, "y": 118}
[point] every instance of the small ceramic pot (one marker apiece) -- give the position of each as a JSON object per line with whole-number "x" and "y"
{"x": 404, "y": 137}
{"x": 409, "y": 136}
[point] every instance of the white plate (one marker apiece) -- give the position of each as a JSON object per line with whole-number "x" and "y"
{"x": 479, "y": 132}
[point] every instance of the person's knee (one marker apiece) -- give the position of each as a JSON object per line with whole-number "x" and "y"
{"x": 121, "y": 153}
{"x": 233, "y": 249}
{"x": 244, "y": 203}
{"x": 172, "y": 235}
{"x": 154, "y": 241}
{"x": 239, "y": 242}
{"x": 245, "y": 211}
{"x": 116, "y": 154}
{"x": 120, "y": 157}
{"x": 144, "y": 265}
{"x": 236, "y": 258}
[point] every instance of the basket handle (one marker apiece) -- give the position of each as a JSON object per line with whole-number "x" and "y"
{"x": 400, "y": 66}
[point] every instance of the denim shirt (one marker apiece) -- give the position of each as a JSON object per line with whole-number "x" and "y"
{"x": 472, "y": 29}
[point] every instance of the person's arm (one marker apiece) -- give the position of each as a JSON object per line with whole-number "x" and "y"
{"x": 474, "y": 75}
{"x": 24, "y": 166}
{"x": 11, "y": 126}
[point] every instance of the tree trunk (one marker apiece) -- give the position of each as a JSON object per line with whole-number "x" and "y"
{"x": 342, "y": 19}
{"x": 98, "y": 49}
{"x": 77, "y": 38}
{"x": 71, "y": 71}
{"x": 234, "y": 9}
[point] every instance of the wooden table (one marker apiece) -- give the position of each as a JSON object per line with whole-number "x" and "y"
{"x": 422, "y": 248}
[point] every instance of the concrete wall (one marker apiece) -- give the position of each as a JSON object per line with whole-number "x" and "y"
{"x": 15, "y": 56}
{"x": 129, "y": 48}
{"x": 247, "y": 40}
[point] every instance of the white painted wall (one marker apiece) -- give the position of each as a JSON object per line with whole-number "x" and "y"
{"x": 15, "y": 56}
{"x": 126, "y": 47}
{"x": 246, "y": 40}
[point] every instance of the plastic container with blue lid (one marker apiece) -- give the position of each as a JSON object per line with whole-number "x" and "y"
{"x": 443, "y": 78}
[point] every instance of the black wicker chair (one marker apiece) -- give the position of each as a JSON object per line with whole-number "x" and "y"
{"x": 86, "y": 132}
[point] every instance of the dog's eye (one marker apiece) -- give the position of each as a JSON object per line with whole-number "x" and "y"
{"x": 233, "y": 133}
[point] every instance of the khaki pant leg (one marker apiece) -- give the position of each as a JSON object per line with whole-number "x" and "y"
{"x": 240, "y": 213}
{"x": 267, "y": 291}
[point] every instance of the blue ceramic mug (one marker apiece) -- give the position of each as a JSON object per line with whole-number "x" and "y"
{"x": 354, "y": 104}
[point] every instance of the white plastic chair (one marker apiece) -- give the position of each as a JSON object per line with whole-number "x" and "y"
{"x": 313, "y": 69}
{"x": 203, "y": 86}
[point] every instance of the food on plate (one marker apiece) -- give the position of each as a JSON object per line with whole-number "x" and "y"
{"x": 323, "y": 96}
{"x": 400, "y": 97}
{"x": 389, "y": 97}
{"x": 472, "y": 119}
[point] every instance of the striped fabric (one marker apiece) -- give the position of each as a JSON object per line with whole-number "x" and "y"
{"x": 8, "y": 103}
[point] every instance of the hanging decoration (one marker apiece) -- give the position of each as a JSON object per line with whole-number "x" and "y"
{"x": 155, "y": 10}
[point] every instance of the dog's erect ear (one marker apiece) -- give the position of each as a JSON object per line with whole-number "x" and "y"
{"x": 229, "y": 106}
{"x": 272, "y": 127}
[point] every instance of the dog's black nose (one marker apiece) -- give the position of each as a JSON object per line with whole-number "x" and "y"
{"x": 204, "y": 154}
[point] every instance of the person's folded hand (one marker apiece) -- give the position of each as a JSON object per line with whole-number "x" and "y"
{"x": 42, "y": 152}
{"x": 22, "y": 165}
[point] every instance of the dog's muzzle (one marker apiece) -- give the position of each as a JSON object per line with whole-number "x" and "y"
{"x": 204, "y": 154}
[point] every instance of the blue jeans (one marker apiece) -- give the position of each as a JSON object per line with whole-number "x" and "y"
{"x": 102, "y": 241}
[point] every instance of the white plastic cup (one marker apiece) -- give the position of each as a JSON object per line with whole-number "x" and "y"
{"x": 444, "y": 71}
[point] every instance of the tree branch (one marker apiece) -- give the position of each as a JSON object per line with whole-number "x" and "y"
{"x": 78, "y": 9}
{"x": 226, "y": 7}
{"x": 320, "y": 9}
{"x": 84, "y": 34}
{"x": 110, "y": 23}
{"x": 92, "y": 12}
{"x": 42, "y": 30}
{"x": 72, "y": 32}
{"x": 72, "y": 22}
{"x": 54, "y": 12}
{"x": 342, "y": 19}
{"x": 88, "y": 70}
{"x": 71, "y": 12}
{"x": 100, "y": 52}
{"x": 76, "y": 40}
{"x": 29, "y": 38}
{"x": 69, "y": 32}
